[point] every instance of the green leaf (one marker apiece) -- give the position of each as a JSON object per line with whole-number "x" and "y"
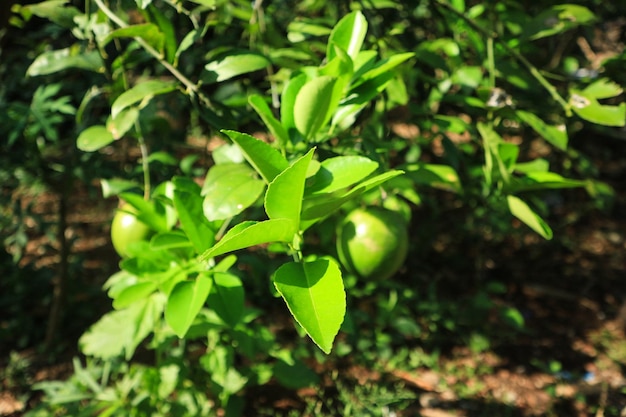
{"x": 585, "y": 103}
{"x": 133, "y": 293}
{"x": 151, "y": 212}
{"x": 443, "y": 177}
{"x": 94, "y": 138}
{"x": 588, "y": 108}
{"x": 312, "y": 109}
{"x": 185, "y": 302}
{"x": 283, "y": 198}
{"x": 315, "y": 296}
{"x": 263, "y": 110}
{"x": 50, "y": 62}
{"x": 149, "y": 32}
{"x": 556, "y": 135}
{"x": 227, "y": 298}
{"x": 340, "y": 172}
{"x": 120, "y": 331}
{"x": 603, "y": 88}
{"x": 288, "y": 101}
{"x": 320, "y": 206}
{"x": 229, "y": 189}
{"x": 348, "y": 34}
{"x": 267, "y": 161}
{"x": 251, "y": 233}
{"x": 170, "y": 240}
{"x": 234, "y": 64}
{"x": 56, "y": 11}
{"x": 142, "y": 92}
{"x": 557, "y": 19}
{"x": 524, "y": 213}
{"x": 189, "y": 206}
{"x": 542, "y": 181}
{"x": 123, "y": 122}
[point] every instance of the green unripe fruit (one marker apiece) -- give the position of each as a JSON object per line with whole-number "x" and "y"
{"x": 127, "y": 229}
{"x": 373, "y": 242}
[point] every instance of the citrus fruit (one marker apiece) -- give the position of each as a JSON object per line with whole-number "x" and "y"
{"x": 126, "y": 229}
{"x": 373, "y": 242}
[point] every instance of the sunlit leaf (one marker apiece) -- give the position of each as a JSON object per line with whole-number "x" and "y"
{"x": 185, "y": 301}
{"x": 312, "y": 105}
{"x": 141, "y": 93}
{"x": 556, "y": 135}
{"x": 50, "y": 62}
{"x": 523, "y": 212}
{"x": 233, "y": 64}
{"x": 283, "y": 198}
{"x": 348, "y": 34}
{"x": 315, "y": 296}
{"x": 94, "y": 138}
{"x": 229, "y": 189}
{"x": 251, "y": 233}
{"x": 267, "y": 161}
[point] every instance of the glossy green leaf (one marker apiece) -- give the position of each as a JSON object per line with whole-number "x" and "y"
{"x": 123, "y": 122}
{"x": 382, "y": 67}
{"x": 588, "y": 108}
{"x": 229, "y": 189}
{"x": 312, "y": 106}
{"x": 141, "y": 93}
{"x": 227, "y": 298}
{"x": 265, "y": 113}
{"x": 151, "y": 212}
{"x": 556, "y": 135}
{"x": 267, "y": 161}
{"x": 539, "y": 180}
{"x": 288, "y": 101}
{"x": 348, "y": 34}
{"x": 149, "y": 32}
{"x": 557, "y": 19}
{"x": 443, "y": 177}
{"x": 234, "y": 64}
{"x": 315, "y": 296}
{"x": 120, "y": 332}
{"x": 189, "y": 206}
{"x": 57, "y": 11}
{"x": 133, "y": 293}
{"x": 320, "y": 206}
{"x": 524, "y": 213}
{"x": 94, "y": 138}
{"x": 340, "y": 172}
{"x": 283, "y": 198}
{"x": 50, "y": 62}
{"x": 185, "y": 302}
{"x": 603, "y": 88}
{"x": 251, "y": 233}
{"x": 170, "y": 240}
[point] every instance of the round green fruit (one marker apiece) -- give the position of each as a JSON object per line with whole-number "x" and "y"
{"x": 373, "y": 242}
{"x": 126, "y": 229}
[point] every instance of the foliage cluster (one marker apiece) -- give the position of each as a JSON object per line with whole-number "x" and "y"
{"x": 475, "y": 87}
